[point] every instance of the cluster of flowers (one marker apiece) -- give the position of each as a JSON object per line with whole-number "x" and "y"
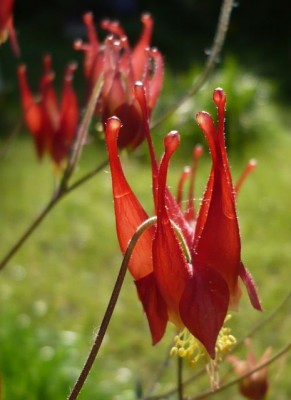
{"x": 117, "y": 67}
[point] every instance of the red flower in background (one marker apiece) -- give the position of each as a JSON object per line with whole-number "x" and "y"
{"x": 53, "y": 124}
{"x": 6, "y": 24}
{"x": 186, "y": 269}
{"x": 120, "y": 67}
{"x": 256, "y": 385}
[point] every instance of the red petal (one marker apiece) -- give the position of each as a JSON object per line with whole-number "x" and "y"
{"x": 49, "y": 105}
{"x": 131, "y": 133}
{"x": 251, "y": 287}
{"x": 139, "y": 55}
{"x": 204, "y": 305}
{"x": 155, "y": 83}
{"x": 69, "y": 117}
{"x": 218, "y": 239}
{"x": 92, "y": 49}
{"x": 170, "y": 266}
{"x": 31, "y": 110}
{"x": 154, "y": 306}
{"x": 174, "y": 210}
{"x": 128, "y": 211}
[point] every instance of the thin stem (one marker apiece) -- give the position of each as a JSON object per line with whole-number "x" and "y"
{"x": 10, "y": 139}
{"x": 174, "y": 390}
{"x": 164, "y": 364}
{"x": 86, "y": 177}
{"x": 37, "y": 221}
{"x": 180, "y": 377}
{"x": 208, "y": 393}
{"x": 110, "y": 308}
{"x": 82, "y": 132}
{"x": 218, "y": 41}
{"x": 264, "y": 321}
{"x": 61, "y": 192}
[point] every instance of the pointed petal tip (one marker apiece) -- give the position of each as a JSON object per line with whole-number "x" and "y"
{"x": 146, "y": 16}
{"x": 219, "y": 97}
{"x": 113, "y": 126}
{"x": 203, "y": 118}
{"x": 88, "y": 18}
{"x": 250, "y": 285}
{"x": 198, "y": 151}
{"x": 21, "y": 68}
{"x": 172, "y": 141}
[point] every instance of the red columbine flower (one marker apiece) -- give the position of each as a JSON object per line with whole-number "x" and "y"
{"x": 6, "y": 24}
{"x": 52, "y": 124}
{"x": 120, "y": 67}
{"x": 186, "y": 269}
{"x": 256, "y": 385}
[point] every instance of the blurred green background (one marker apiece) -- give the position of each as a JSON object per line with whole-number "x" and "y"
{"x": 54, "y": 291}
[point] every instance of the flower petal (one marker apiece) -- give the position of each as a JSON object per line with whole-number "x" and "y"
{"x": 129, "y": 213}
{"x": 204, "y": 305}
{"x": 154, "y": 306}
{"x": 31, "y": 110}
{"x": 69, "y": 117}
{"x": 170, "y": 265}
{"x": 250, "y": 285}
{"x": 218, "y": 240}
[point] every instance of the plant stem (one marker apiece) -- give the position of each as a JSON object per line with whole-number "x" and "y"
{"x": 61, "y": 192}
{"x": 37, "y": 221}
{"x": 218, "y": 41}
{"x": 180, "y": 377}
{"x": 82, "y": 131}
{"x": 164, "y": 364}
{"x": 109, "y": 310}
{"x": 208, "y": 393}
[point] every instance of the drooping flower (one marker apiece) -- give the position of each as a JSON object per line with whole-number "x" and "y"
{"x": 119, "y": 67}
{"x": 6, "y": 24}
{"x": 53, "y": 124}
{"x": 186, "y": 268}
{"x": 255, "y": 386}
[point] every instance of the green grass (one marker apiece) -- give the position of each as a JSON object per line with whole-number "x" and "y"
{"x": 55, "y": 289}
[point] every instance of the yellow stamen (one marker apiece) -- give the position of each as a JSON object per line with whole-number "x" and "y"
{"x": 187, "y": 346}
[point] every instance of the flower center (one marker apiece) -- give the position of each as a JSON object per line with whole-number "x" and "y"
{"x": 187, "y": 346}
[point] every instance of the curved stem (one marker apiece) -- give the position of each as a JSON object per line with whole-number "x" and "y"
{"x": 82, "y": 131}
{"x": 86, "y": 177}
{"x": 164, "y": 364}
{"x": 218, "y": 41}
{"x": 201, "y": 371}
{"x": 37, "y": 221}
{"x": 208, "y": 394}
{"x": 109, "y": 310}
{"x": 58, "y": 195}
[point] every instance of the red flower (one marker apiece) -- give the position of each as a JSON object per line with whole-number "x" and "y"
{"x": 120, "y": 67}
{"x": 52, "y": 125}
{"x": 255, "y": 386}
{"x": 186, "y": 269}
{"x": 6, "y": 24}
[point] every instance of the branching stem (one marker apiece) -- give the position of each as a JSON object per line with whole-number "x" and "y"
{"x": 218, "y": 41}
